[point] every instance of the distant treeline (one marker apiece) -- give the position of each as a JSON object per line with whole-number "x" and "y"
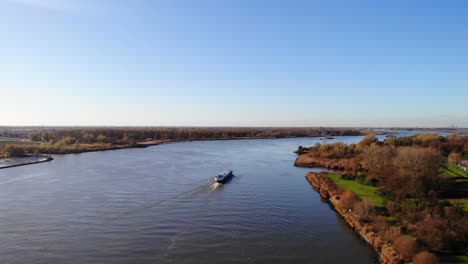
{"x": 74, "y": 140}
{"x": 127, "y": 135}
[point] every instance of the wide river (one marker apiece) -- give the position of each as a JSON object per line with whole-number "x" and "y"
{"x": 160, "y": 205}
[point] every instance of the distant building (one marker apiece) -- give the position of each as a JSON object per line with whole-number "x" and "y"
{"x": 463, "y": 165}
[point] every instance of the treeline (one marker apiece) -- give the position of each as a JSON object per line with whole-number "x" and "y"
{"x": 74, "y": 140}
{"x": 416, "y": 215}
{"x": 10, "y": 151}
{"x": 126, "y": 135}
{"x": 446, "y": 145}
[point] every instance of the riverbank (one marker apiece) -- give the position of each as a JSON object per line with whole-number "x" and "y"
{"x": 157, "y": 188}
{"x": 93, "y": 147}
{"x": 331, "y": 193}
{"x": 314, "y": 162}
{"x": 85, "y": 148}
{"x": 21, "y": 161}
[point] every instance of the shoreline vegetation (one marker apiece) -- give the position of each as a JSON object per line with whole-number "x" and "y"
{"x": 407, "y": 197}
{"x": 18, "y": 142}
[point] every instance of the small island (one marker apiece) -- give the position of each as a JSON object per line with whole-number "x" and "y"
{"x": 407, "y": 196}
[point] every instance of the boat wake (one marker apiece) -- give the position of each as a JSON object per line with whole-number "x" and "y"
{"x": 215, "y": 186}
{"x": 203, "y": 187}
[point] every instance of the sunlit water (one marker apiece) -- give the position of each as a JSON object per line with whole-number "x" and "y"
{"x": 161, "y": 205}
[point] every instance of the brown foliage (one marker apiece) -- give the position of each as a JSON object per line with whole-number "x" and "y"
{"x": 406, "y": 246}
{"x": 367, "y": 141}
{"x": 363, "y": 209}
{"x": 454, "y": 143}
{"x": 66, "y": 141}
{"x": 348, "y": 199}
{"x": 102, "y": 138}
{"x": 377, "y": 159}
{"x": 336, "y": 150}
{"x": 380, "y": 223}
{"x": 454, "y": 157}
{"x": 417, "y": 170}
{"x": 425, "y": 258}
{"x": 392, "y": 207}
{"x": 428, "y": 140}
{"x": 435, "y": 232}
{"x": 10, "y": 151}
{"x": 391, "y": 233}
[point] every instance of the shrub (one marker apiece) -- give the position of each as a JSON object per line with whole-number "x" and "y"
{"x": 379, "y": 223}
{"x": 425, "y": 258}
{"x": 368, "y": 140}
{"x": 392, "y": 233}
{"x": 348, "y": 199}
{"x": 406, "y": 246}
{"x": 454, "y": 157}
{"x": 66, "y": 141}
{"x": 363, "y": 209}
{"x": 10, "y": 151}
{"x": 392, "y": 207}
{"x": 436, "y": 233}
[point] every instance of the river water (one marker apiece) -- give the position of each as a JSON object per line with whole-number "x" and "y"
{"x": 160, "y": 205}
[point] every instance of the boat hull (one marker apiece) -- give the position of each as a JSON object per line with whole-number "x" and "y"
{"x": 224, "y": 177}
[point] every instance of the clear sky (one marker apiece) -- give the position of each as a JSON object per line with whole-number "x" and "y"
{"x": 234, "y": 63}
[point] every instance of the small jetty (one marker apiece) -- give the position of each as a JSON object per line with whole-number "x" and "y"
{"x": 21, "y": 161}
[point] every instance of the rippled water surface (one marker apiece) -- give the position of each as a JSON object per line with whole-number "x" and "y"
{"x": 160, "y": 205}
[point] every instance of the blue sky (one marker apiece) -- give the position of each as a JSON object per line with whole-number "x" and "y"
{"x": 234, "y": 63}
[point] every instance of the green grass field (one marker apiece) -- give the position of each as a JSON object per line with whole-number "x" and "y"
{"x": 454, "y": 171}
{"x": 361, "y": 190}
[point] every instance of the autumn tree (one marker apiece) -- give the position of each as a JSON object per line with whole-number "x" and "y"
{"x": 10, "y": 151}
{"x": 406, "y": 246}
{"x": 363, "y": 209}
{"x": 377, "y": 159}
{"x": 428, "y": 140}
{"x": 33, "y": 136}
{"x": 425, "y": 258}
{"x": 88, "y": 137}
{"x": 348, "y": 199}
{"x": 435, "y": 232}
{"x": 454, "y": 157}
{"x": 101, "y": 138}
{"x": 66, "y": 141}
{"x": 367, "y": 141}
{"x": 417, "y": 169}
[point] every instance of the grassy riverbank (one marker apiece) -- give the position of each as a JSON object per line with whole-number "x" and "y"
{"x": 410, "y": 192}
{"x": 368, "y": 224}
{"x": 363, "y": 191}
{"x": 454, "y": 171}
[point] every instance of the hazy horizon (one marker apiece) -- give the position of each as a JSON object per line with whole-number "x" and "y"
{"x": 240, "y": 127}
{"x": 234, "y": 63}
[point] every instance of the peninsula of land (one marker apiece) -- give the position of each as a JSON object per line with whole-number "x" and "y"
{"x": 407, "y": 196}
